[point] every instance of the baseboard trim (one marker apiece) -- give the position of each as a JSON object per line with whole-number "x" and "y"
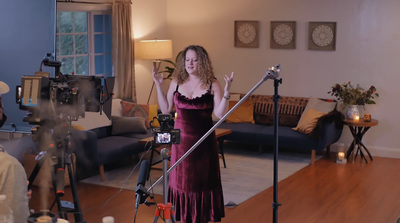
{"x": 379, "y": 151}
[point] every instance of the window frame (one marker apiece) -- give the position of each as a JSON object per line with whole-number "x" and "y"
{"x": 91, "y": 10}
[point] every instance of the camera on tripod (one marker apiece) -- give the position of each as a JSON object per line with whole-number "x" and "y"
{"x": 62, "y": 97}
{"x": 166, "y": 134}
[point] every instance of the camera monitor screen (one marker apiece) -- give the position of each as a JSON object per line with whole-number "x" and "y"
{"x": 163, "y": 138}
{"x": 31, "y": 87}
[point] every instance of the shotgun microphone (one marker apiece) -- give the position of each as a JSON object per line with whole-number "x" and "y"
{"x": 141, "y": 191}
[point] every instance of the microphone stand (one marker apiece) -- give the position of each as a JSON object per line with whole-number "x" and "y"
{"x": 276, "y": 204}
{"x": 271, "y": 73}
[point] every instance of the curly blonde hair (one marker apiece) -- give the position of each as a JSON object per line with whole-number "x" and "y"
{"x": 205, "y": 68}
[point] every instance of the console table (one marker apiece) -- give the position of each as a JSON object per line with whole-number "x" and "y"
{"x": 358, "y": 129}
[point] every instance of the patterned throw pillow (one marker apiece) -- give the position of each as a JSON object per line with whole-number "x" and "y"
{"x": 130, "y": 109}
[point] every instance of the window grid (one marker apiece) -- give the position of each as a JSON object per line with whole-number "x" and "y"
{"x": 91, "y": 55}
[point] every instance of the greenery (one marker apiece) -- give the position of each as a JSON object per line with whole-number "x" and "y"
{"x": 350, "y": 95}
{"x": 171, "y": 68}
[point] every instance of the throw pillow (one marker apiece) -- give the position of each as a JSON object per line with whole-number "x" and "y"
{"x": 153, "y": 112}
{"x": 319, "y": 105}
{"x": 243, "y": 113}
{"x": 125, "y": 125}
{"x": 130, "y": 109}
{"x": 308, "y": 121}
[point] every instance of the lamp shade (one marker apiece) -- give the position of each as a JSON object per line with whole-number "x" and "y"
{"x": 155, "y": 49}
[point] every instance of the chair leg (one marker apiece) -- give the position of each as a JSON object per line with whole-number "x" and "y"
{"x": 101, "y": 172}
{"x": 313, "y": 153}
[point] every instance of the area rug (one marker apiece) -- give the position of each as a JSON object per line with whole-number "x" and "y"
{"x": 247, "y": 173}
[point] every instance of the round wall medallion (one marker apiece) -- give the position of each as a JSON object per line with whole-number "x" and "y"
{"x": 283, "y": 34}
{"x": 322, "y": 35}
{"x": 246, "y": 33}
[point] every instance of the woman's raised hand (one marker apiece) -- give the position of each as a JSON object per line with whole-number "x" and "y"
{"x": 157, "y": 77}
{"x": 228, "y": 81}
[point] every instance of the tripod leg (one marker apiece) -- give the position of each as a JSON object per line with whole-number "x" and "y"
{"x": 78, "y": 211}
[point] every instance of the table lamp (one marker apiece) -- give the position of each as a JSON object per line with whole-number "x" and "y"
{"x": 155, "y": 50}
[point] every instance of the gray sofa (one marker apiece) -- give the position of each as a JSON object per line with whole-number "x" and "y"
{"x": 327, "y": 131}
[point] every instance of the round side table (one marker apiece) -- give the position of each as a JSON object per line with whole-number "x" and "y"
{"x": 358, "y": 129}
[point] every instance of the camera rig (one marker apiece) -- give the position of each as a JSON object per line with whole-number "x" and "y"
{"x": 53, "y": 103}
{"x": 166, "y": 134}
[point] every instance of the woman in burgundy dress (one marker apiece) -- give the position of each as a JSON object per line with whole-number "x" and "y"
{"x": 195, "y": 184}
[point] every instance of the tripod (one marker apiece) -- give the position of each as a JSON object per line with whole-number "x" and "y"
{"x": 167, "y": 208}
{"x": 62, "y": 159}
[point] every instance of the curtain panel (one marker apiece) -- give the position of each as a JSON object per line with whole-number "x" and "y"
{"x": 123, "y": 50}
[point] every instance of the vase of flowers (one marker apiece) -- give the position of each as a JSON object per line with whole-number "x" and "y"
{"x": 353, "y": 97}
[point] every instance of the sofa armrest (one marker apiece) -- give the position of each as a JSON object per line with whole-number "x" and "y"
{"x": 329, "y": 129}
{"x": 84, "y": 145}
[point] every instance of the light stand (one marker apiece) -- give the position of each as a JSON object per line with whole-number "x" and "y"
{"x": 271, "y": 73}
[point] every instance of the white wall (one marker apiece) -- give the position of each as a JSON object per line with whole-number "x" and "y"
{"x": 367, "y": 50}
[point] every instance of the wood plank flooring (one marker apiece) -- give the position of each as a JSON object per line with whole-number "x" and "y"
{"x": 326, "y": 192}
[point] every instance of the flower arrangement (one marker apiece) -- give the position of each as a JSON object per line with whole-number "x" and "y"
{"x": 350, "y": 95}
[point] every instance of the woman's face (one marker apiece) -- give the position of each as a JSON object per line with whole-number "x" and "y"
{"x": 191, "y": 62}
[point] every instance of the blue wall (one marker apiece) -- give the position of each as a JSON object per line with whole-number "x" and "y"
{"x": 27, "y": 33}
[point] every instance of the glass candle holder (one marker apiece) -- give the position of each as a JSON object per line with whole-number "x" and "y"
{"x": 367, "y": 117}
{"x": 356, "y": 118}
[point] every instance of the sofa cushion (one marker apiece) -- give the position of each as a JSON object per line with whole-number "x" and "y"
{"x": 243, "y": 113}
{"x": 308, "y": 121}
{"x": 124, "y": 125}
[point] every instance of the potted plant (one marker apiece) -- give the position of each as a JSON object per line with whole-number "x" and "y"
{"x": 353, "y": 96}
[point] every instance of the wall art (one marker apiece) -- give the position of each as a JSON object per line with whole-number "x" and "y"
{"x": 247, "y": 34}
{"x": 283, "y": 35}
{"x": 322, "y": 36}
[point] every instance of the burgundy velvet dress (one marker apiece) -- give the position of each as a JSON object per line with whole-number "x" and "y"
{"x": 195, "y": 184}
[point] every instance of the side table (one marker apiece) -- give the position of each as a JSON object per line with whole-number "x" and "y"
{"x": 358, "y": 129}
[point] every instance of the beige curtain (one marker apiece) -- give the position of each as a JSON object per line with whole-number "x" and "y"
{"x": 122, "y": 50}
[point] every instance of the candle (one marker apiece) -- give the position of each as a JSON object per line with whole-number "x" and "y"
{"x": 341, "y": 157}
{"x": 176, "y": 114}
{"x": 356, "y": 118}
{"x": 367, "y": 117}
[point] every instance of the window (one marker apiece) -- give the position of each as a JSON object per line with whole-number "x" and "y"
{"x": 83, "y": 42}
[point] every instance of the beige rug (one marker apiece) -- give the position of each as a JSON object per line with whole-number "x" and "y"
{"x": 247, "y": 173}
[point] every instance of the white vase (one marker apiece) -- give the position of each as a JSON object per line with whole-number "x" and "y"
{"x": 352, "y": 111}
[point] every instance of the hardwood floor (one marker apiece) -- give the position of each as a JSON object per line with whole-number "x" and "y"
{"x": 326, "y": 192}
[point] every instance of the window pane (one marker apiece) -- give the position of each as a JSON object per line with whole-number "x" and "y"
{"x": 66, "y": 22}
{"x": 108, "y": 65}
{"x": 108, "y": 43}
{"x": 67, "y": 45}
{"x": 98, "y": 23}
{"x": 108, "y": 23}
{"x": 99, "y": 64}
{"x": 81, "y": 44}
{"x": 98, "y": 43}
{"x": 57, "y": 45}
{"x": 80, "y": 22}
{"x": 82, "y": 65}
{"x": 67, "y": 65}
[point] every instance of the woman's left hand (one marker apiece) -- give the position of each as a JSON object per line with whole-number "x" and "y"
{"x": 228, "y": 81}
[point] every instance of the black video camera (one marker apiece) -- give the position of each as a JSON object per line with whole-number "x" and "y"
{"x": 65, "y": 95}
{"x": 166, "y": 134}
